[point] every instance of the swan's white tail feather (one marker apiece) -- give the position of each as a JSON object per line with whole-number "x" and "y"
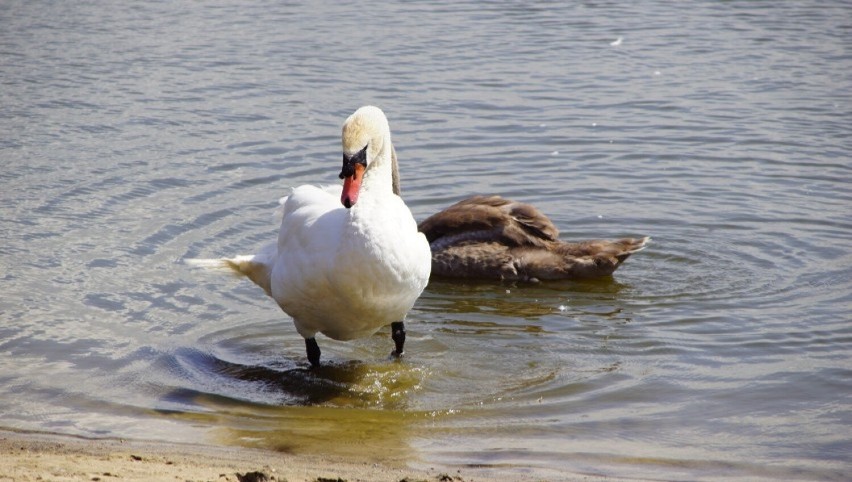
{"x": 211, "y": 264}
{"x": 248, "y": 266}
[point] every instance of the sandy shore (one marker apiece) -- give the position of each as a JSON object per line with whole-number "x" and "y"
{"x": 48, "y": 457}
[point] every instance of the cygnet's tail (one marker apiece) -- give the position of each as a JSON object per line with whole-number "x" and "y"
{"x": 254, "y": 267}
{"x": 629, "y": 246}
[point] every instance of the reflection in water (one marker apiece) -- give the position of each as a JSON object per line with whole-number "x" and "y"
{"x": 524, "y": 300}
{"x": 284, "y": 382}
{"x": 352, "y": 408}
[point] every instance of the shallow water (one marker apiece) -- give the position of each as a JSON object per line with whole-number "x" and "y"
{"x": 137, "y": 136}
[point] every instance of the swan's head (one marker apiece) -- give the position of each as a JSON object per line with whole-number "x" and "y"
{"x": 365, "y": 134}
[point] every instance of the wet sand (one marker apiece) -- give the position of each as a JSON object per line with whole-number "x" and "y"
{"x": 28, "y": 456}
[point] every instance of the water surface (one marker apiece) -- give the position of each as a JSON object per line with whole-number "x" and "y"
{"x": 135, "y": 136}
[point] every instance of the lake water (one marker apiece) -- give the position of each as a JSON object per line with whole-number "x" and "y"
{"x": 135, "y": 135}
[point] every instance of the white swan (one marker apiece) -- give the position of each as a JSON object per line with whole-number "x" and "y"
{"x": 348, "y": 261}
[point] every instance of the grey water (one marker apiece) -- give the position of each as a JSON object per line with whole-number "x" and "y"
{"x": 134, "y": 135}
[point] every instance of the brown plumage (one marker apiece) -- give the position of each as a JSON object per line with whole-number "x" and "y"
{"x": 495, "y": 238}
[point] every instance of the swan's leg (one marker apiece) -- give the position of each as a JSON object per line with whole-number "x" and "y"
{"x": 398, "y": 335}
{"x": 313, "y": 351}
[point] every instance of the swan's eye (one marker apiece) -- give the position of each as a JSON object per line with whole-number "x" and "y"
{"x": 349, "y": 162}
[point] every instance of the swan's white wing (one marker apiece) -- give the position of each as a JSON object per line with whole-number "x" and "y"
{"x": 332, "y": 189}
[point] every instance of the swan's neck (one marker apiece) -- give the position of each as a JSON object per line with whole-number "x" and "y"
{"x": 382, "y": 178}
{"x": 394, "y": 172}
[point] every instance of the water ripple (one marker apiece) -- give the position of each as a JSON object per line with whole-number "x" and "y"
{"x": 170, "y": 131}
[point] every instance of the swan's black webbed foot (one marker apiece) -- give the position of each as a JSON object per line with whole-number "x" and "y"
{"x": 313, "y": 351}
{"x": 398, "y": 335}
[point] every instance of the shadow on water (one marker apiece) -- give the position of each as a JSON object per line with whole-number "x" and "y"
{"x": 345, "y": 408}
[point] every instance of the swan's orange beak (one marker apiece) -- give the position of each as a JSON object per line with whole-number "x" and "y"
{"x": 352, "y": 175}
{"x": 352, "y": 186}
